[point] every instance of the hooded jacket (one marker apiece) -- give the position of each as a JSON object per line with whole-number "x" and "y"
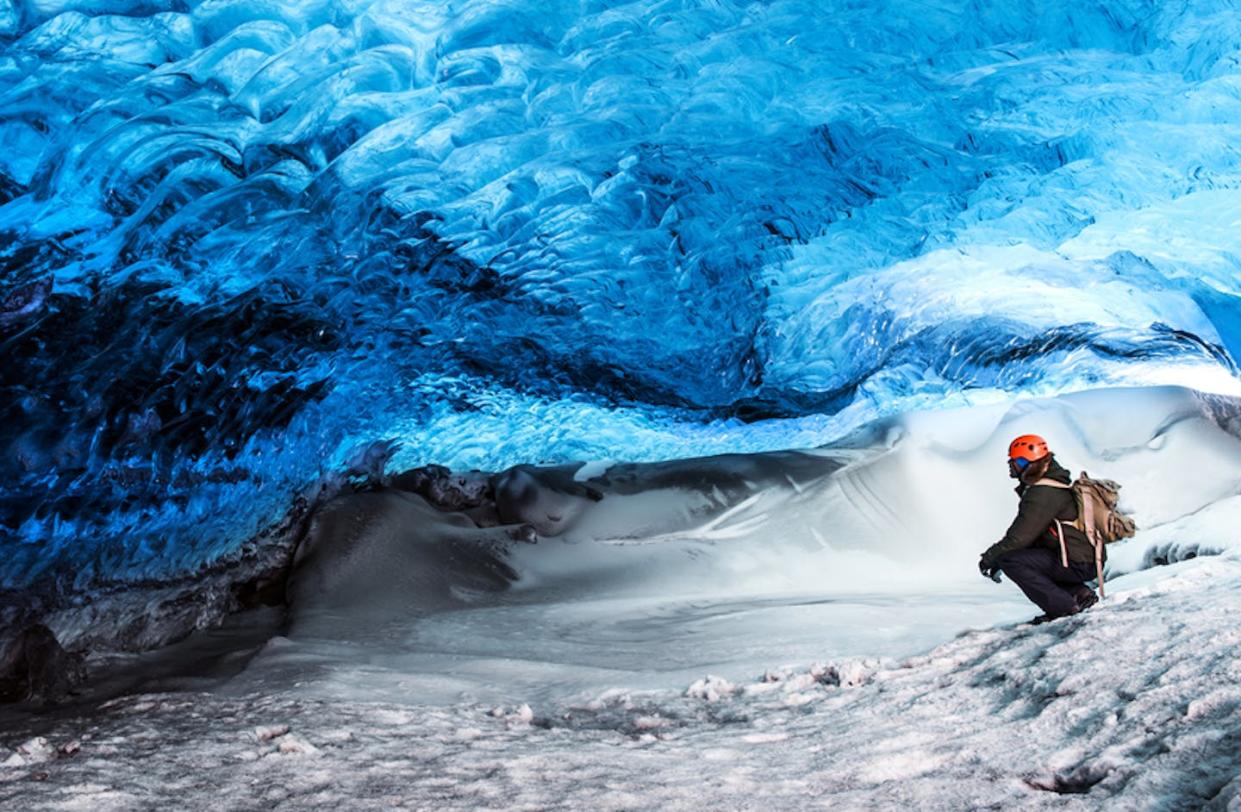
{"x": 1034, "y": 526}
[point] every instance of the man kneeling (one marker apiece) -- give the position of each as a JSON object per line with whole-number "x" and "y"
{"x": 1042, "y": 552}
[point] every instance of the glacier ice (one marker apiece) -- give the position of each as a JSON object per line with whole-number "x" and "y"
{"x": 239, "y": 240}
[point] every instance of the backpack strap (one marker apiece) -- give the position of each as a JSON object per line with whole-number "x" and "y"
{"x": 1064, "y": 549}
{"x": 1085, "y": 523}
{"x": 1092, "y": 534}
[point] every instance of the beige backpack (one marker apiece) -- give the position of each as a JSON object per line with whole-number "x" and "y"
{"x": 1097, "y": 517}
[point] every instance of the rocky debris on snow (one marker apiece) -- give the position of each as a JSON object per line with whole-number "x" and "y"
{"x": 847, "y": 674}
{"x": 793, "y": 687}
{"x": 648, "y": 722}
{"x": 268, "y": 732}
{"x": 1132, "y": 706}
{"x": 38, "y": 750}
{"x": 277, "y": 739}
{"x": 711, "y": 688}
{"x": 449, "y": 490}
{"x": 292, "y": 744}
{"x": 522, "y": 715}
{"x": 32, "y": 751}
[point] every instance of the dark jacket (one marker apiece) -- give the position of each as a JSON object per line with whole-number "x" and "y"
{"x": 1034, "y": 526}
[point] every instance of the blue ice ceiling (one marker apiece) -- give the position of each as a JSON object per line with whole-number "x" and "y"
{"x": 240, "y": 239}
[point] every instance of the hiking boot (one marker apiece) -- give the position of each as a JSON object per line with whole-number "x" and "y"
{"x": 1085, "y": 597}
{"x": 1041, "y": 619}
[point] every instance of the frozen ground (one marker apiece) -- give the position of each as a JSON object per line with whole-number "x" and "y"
{"x": 1135, "y": 705}
{"x": 787, "y": 637}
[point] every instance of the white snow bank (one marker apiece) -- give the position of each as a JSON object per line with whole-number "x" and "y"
{"x": 917, "y": 500}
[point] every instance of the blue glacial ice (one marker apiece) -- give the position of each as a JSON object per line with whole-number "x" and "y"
{"x": 241, "y": 240}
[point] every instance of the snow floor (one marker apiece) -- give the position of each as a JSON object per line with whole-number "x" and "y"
{"x": 539, "y": 653}
{"x": 1135, "y": 705}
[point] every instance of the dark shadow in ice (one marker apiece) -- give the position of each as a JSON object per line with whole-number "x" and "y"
{"x": 353, "y": 558}
{"x": 34, "y": 667}
{"x": 61, "y": 684}
{"x": 438, "y": 539}
{"x": 390, "y": 553}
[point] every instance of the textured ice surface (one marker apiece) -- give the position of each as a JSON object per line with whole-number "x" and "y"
{"x": 239, "y": 239}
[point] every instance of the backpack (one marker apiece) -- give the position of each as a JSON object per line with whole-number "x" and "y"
{"x": 1098, "y": 517}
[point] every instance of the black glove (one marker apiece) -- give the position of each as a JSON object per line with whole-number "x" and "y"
{"x": 989, "y": 570}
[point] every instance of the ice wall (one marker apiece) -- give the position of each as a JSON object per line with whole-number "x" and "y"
{"x": 239, "y": 238}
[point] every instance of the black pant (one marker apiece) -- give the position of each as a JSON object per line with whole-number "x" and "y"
{"x": 1047, "y": 582}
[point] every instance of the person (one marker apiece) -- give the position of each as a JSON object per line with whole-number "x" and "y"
{"x": 1050, "y": 570}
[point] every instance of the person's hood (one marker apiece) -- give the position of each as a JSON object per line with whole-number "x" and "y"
{"x": 1058, "y": 472}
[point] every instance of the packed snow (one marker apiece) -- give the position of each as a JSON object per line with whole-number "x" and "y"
{"x": 1134, "y": 705}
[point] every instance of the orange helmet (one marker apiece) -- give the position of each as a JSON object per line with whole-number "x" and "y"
{"x": 1028, "y": 447}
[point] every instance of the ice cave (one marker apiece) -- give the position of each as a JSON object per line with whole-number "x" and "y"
{"x": 590, "y": 405}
